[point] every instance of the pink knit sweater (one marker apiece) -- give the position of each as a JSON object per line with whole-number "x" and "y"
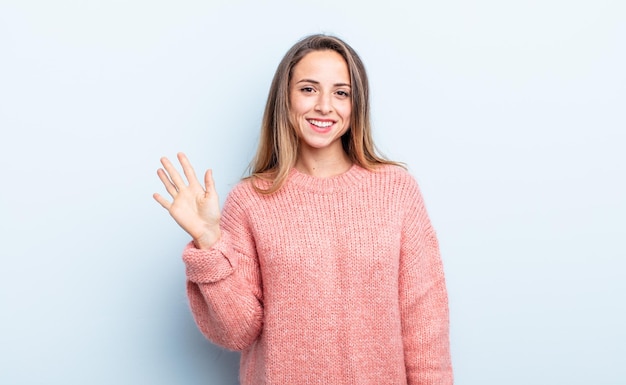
{"x": 327, "y": 281}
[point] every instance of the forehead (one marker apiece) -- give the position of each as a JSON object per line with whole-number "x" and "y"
{"x": 327, "y": 65}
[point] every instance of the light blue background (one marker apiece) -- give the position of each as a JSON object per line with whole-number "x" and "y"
{"x": 511, "y": 114}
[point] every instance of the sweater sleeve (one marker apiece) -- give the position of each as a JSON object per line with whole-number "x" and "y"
{"x": 423, "y": 298}
{"x": 224, "y": 283}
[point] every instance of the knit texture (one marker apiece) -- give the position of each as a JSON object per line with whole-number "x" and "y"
{"x": 327, "y": 281}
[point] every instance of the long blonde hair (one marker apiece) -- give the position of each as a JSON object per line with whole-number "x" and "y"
{"x": 278, "y": 142}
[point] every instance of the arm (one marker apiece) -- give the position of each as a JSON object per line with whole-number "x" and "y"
{"x": 223, "y": 278}
{"x": 423, "y": 299}
{"x": 224, "y": 284}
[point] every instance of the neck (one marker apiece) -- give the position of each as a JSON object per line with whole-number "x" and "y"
{"x": 321, "y": 164}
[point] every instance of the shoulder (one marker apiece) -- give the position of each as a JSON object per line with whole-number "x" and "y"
{"x": 397, "y": 184}
{"x": 395, "y": 175}
{"x": 240, "y": 203}
{"x": 392, "y": 170}
{"x": 246, "y": 192}
{"x": 239, "y": 198}
{"x": 243, "y": 191}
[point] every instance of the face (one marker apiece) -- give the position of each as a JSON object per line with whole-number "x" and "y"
{"x": 320, "y": 100}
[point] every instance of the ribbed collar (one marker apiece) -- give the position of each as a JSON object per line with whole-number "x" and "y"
{"x": 327, "y": 185}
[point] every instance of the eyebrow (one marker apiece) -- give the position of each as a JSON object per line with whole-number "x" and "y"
{"x": 316, "y": 82}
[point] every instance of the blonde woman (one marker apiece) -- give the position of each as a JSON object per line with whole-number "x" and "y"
{"x": 323, "y": 266}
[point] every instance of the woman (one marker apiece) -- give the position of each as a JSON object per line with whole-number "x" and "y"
{"x": 323, "y": 267}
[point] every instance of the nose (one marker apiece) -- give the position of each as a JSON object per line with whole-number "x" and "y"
{"x": 324, "y": 103}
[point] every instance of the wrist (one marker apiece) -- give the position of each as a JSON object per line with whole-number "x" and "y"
{"x": 208, "y": 239}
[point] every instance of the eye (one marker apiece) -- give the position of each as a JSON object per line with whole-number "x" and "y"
{"x": 343, "y": 94}
{"x": 307, "y": 90}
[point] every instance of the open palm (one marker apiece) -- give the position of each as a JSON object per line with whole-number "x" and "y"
{"x": 195, "y": 207}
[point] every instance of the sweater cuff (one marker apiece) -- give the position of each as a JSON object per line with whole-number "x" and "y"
{"x": 206, "y": 266}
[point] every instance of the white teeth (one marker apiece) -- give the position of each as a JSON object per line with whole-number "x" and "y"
{"x": 320, "y": 124}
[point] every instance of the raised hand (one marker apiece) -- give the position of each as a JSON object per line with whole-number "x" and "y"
{"x": 194, "y": 207}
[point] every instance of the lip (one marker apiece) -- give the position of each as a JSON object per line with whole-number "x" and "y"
{"x": 321, "y": 130}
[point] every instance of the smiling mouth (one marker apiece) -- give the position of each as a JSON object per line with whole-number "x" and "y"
{"x": 320, "y": 123}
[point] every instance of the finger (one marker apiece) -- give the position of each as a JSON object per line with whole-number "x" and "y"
{"x": 162, "y": 201}
{"x": 169, "y": 186}
{"x": 174, "y": 176}
{"x": 209, "y": 183}
{"x": 190, "y": 174}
